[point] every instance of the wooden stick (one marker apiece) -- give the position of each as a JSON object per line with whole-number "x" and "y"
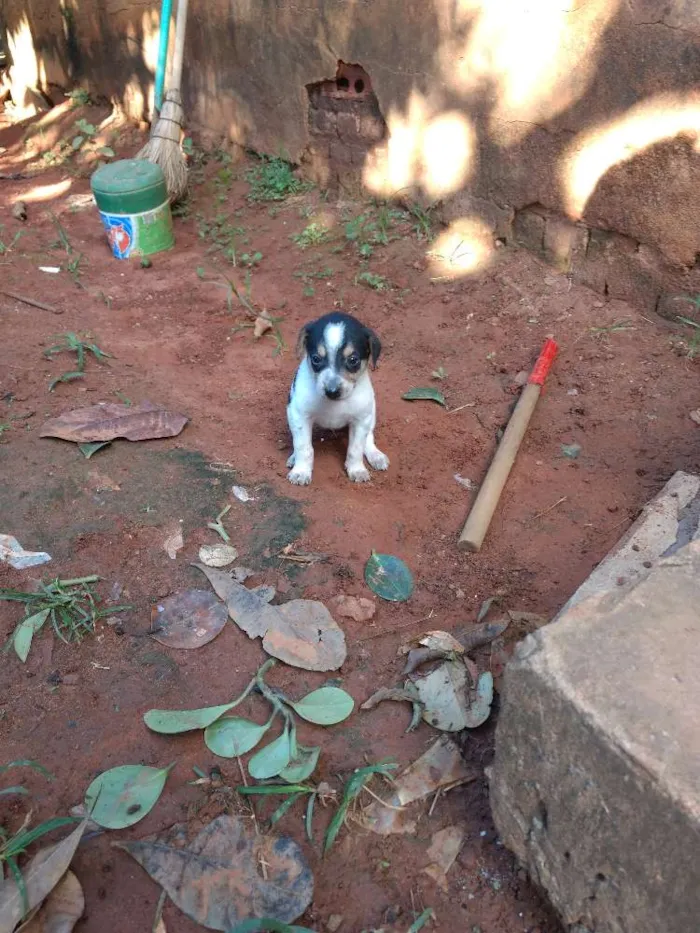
{"x": 477, "y": 524}
{"x": 32, "y": 302}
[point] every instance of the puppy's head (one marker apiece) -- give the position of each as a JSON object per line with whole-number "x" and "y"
{"x": 339, "y": 349}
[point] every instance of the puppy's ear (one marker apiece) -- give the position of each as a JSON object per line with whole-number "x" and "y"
{"x": 375, "y": 346}
{"x": 301, "y": 340}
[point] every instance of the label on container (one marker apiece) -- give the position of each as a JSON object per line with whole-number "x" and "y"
{"x": 139, "y": 234}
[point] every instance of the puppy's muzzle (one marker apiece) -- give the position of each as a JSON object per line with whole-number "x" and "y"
{"x": 332, "y": 389}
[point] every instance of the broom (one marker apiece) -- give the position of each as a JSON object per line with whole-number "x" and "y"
{"x": 163, "y": 148}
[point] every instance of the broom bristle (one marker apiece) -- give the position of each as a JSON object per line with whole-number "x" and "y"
{"x": 163, "y": 148}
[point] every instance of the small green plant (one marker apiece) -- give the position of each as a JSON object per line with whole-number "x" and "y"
{"x": 14, "y": 845}
{"x": 312, "y": 235}
{"x": 423, "y": 221}
{"x": 79, "y": 97}
{"x": 307, "y": 276}
{"x": 71, "y": 606}
{"x": 607, "y": 330}
{"x": 250, "y": 259}
{"x": 73, "y": 343}
{"x": 372, "y": 280}
{"x": 693, "y": 343}
{"x": 245, "y": 298}
{"x": 273, "y": 179}
{"x": 8, "y": 247}
{"x": 352, "y": 790}
{"x": 440, "y": 373}
{"x": 73, "y": 259}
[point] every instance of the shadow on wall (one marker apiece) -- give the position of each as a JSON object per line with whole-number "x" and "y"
{"x": 487, "y": 106}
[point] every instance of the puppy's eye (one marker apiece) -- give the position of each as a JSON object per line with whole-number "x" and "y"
{"x": 316, "y": 361}
{"x": 353, "y": 362}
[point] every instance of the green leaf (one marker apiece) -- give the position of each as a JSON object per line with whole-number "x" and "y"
{"x": 268, "y": 925}
{"x": 265, "y": 790}
{"x": 87, "y": 450}
{"x": 122, "y": 796}
{"x": 325, "y": 706}
{"x": 200, "y": 272}
{"x": 26, "y": 630}
{"x": 232, "y": 736}
{"x": 172, "y": 721}
{"x": 302, "y": 766}
{"x": 77, "y": 142}
{"x": 272, "y": 759}
{"x": 353, "y": 787}
{"x": 388, "y": 577}
{"x": 66, "y": 377}
{"x": 308, "y": 820}
{"x": 107, "y": 151}
{"x": 420, "y": 922}
{"x": 284, "y": 807}
{"x": 425, "y": 394}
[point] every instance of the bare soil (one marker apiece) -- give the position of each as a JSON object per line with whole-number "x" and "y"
{"x": 621, "y": 391}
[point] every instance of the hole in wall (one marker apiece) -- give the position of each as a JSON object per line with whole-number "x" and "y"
{"x": 345, "y": 123}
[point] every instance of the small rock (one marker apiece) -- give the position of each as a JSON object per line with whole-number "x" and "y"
{"x": 242, "y": 494}
{"x": 695, "y": 416}
{"x": 572, "y": 392}
{"x": 460, "y": 594}
{"x": 334, "y": 922}
{"x": 19, "y": 210}
{"x": 465, "y": 481}
{"x": 358, "y": 608}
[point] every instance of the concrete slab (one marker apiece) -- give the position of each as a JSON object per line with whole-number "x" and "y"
{"x": 596, "y": 780}
{"x": 668, "y": 522}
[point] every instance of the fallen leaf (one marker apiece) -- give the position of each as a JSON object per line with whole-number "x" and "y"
{"x": 444, "y": 694}
{"x": 309, "y": 638}
{"x": 241, "y": 574}
{"x": 41, "y": 876}
{"x": 301, "y": 632}
{"x": 122, "y": 796}
{"x": 571, "y": 451}
{"x": 265, "y": 591}
{"x": 232, "y": 736}
{"x": 217, "y": 555}
{"x": 25, "y": 632}
{"x": 436, "y": 641}
{"x": 262, "y": 325}
{"x": 695, "y": 416}
{"x": 440, "y": 766}
{"x": 174, "y": 541}
{"x": 442, "y": 853}
{"x": 388, "y": 577}
{"x": 425, "y": 394}
{"x": 217, "y": 880}
{"x": 109, "y": 420}
{"x": 408, "y": 694}
{"x": 174, "y": 721}
{"x": 358, "y": 608}
{"x": 480, "y": 705}
{"x": 61, "y": 910}
{"x": 303, "y": 766}
{"x": 326, "y": 706}
{"x": 188, "y": 620}
{"x": 417, "y": 657}
{"x": 242, "y": 494}
{"x": 12, "y": 552}
{"x": 87, "y": 450}
{"x": 485, "y": 607}
{"x": 482, "y": 634}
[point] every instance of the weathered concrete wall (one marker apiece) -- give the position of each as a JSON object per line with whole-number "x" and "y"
{"x": 585, "y": 110}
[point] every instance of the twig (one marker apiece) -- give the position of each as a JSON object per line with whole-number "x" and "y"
{"x": 468, "y": 405}
{"x": 159, "y": 911}
{"x": 390, "y": 631}
{"x": 389, "y": 806}
{"x": 32, "y": 302}
{"x": 304, "y": 558}
{"x": 544, "y": 511}
{"x": 263, "y": 863}
{"x": 435, "y": 800}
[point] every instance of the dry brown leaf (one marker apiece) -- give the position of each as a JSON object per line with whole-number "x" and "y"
{"x": 444, "y": 693}
{"x": 61, "y": 910}
{"x": 302, "y": 632}
{"x": 436, "y": 641}
{"x": 217, "y": 879}
{"x": 188, "y": 620}
{"x": 41, "y": 876}
{"x": 442, "y": 853}
{"x": 482, "y": 634}
{"x": 174, "y": 541}
{"x": 359, "y": 608}
{"x": 310, "y": 637}
{"x": 108, "y": 420}
{"x": 217, "y": 555}
{"x": 440, "y": 766}
{"x": 399, "y": 694}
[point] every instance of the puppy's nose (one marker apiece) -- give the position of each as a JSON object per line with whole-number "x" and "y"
{"x": 333, "y": 393}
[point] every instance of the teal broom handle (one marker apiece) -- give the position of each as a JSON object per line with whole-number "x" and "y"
{"x": 165, "y": 12}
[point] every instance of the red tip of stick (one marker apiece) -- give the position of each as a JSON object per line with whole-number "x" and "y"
{"x": 544, "y": 363}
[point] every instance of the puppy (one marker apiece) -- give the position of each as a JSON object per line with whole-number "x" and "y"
{"x": 332, "y": 388}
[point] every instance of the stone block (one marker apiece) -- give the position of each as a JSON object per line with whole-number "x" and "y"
{"x": 596, "y": 779}
{"x": 528, "y": 229}
{"x": 499, "y": 220}
{"x": 348, "y": 125}
{"x": 563, "y": 241}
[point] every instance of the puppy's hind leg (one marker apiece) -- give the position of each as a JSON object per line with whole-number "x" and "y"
{"x": 302, "y": 459}
{"x": 376, "y": 459}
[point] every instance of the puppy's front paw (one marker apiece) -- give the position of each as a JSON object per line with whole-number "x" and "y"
{"x": 377, "y": 460}
{"x": 299, "y": 476}
{"x": 358, "y": 474}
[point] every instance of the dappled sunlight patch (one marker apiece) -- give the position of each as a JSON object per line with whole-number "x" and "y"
{"x": 46, "y": 192}
{"x": 594, "y": 153}
{"x": 464, "y": 248}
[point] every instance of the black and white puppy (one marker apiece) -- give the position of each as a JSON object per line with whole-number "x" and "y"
{"x": 332, "y": 389}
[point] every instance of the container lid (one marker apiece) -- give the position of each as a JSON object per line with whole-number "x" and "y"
{"x": 129, "y": 186}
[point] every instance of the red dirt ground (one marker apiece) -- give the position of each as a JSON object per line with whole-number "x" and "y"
{"x": 623, "y": 394}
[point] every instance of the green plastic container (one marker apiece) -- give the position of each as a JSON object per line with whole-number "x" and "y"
{"x": 133, "y": 203}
